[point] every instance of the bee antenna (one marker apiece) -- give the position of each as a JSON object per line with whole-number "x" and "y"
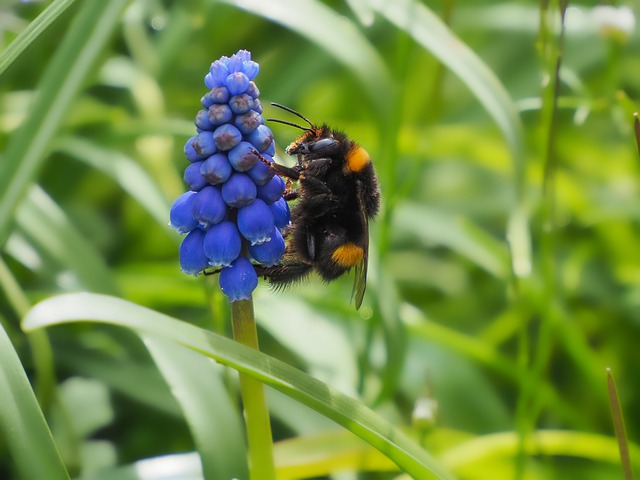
{"x": 291, "y": 124}
{"x": 297, "y": 114}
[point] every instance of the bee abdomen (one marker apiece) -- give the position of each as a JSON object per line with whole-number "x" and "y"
{"x": 347, "y": 255}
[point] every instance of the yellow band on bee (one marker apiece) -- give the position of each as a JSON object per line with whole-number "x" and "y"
{"x": 347, "y": 255}
{"x": 357, "y": 159}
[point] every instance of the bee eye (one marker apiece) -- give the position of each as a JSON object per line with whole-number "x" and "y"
{"x": 323, "y": 144}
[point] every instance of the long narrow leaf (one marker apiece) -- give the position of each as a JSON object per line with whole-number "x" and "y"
{"x": 32, "y": 32}
{"x": 433, "y": 227}
{"x": 333, "y": 33}
{"x": 22, "y": 423}
{"x": 344, "y": 410}
{"x": 49, "y": 228}
{"x": 122, "y": 169}
{"x": 58, "y": 88}
{"x": 180, "y": 466}
{"x": 598, "y": 448}
{"x": 212, "y": 418}
{"x": 428, "y": 30}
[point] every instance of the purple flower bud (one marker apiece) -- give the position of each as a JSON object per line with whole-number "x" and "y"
{"x": 250, "y": 69}
{"x": 193, "y": 178}
{"x": 202, "y": 121}
{"x": 271, "y": 151}
{"x": 222, "y": 244}
{"x": 261, "y": 138}
{"x": 243, "y": 156}
{"x": 252, "y": 90}
{"x": 243, "y": 55}
{"x": 192, "y": 257}
{"x": 190, "y": 152}
{"x": 255, "y": 222}
{"x": 239, "y": 280}
{"x": 235, "y": 63}
{"x": 261, "y": 173}
{"x": 181, "y": 216}
{"x": 209, "y": 81}
{"x": 208, "y": 206}
{"x": 219, "y": 72}
{"x": 239, "y": 190}
{"x": 200, "y": 147}
{"x": 237, "y": 83}
{"x": 281, "y": 214}
{"x": 248, "y": 122}
{"x": 216, "y": 95}
{"x": 216, "y": 169}
{"x": 270, "y": 252}
{"x": 257, "y": 105}
{"x": 227, "y": 136}
{"x": 240, "y": 104}
{"x": 272, "y": 191}
{"x": 219, "y": 114}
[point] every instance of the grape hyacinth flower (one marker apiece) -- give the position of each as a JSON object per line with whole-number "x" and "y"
{"x": 234, "y": 212}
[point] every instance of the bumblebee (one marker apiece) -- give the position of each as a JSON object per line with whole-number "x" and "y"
{"x": 337, "y": 195}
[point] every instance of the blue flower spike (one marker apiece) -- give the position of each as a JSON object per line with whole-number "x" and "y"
{"x": 234, "y": 213}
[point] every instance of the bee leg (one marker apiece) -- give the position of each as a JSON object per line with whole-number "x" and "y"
{"x": 289, "y": 192}
{"x": 283, "y": 171}
{"x": 279, "y": 169}
{"x": 285, "y": 274}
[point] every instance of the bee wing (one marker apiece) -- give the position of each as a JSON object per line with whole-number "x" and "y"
{"x": 360, "y": 280}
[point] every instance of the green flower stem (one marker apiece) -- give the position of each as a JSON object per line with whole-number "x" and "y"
{"x": 531, "y": 403}
{"x": 45, "y": 383}
{"x": 256, "y": 413}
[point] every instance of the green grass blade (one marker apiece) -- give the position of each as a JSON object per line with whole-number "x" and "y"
{"x": 473, "y": 453}
{"x": 460, "y": 235}
{"x": 212, "y": 418}
{"x": 364, "y": 11}
{"x": 178, "y": 466}
{"x": 429, "y": 31}
{"x": 31, "y": 33}
{"x": 636, "y": 130}
{"x": 22, "y": 423}
{"x": 342, "y": 409}
{"x": 58, "y": 88}
{"x": 48, "y": 227}
{"x": 335, "y": 34}
{"x": 123, "y": 170}
{"x": 619, "y": 426}
{"x": 139, "y": 382}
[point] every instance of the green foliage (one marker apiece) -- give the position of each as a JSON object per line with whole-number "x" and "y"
{"x": 503, "y": 275}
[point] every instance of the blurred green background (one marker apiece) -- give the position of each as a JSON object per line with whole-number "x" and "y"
{"x": 504, "y": 275}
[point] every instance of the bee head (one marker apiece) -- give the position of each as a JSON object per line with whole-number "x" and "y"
{"x": 318, "y": 142}
{"x": 322, "y": 142}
